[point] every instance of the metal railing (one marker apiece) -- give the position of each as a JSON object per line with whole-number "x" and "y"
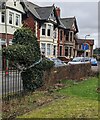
{"x": 11, "y": 80}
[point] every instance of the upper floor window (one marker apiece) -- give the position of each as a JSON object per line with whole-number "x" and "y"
{"x": 71, "y": 36}
{"x": 11, "y": 16}
{"x": 61, "y": 35}
{"x": 17, "y": 20}
{"x": 43, "y": 29}
{"x": 67, "y": 36}
{"x": 55, "y": 34}
{"x": 2, "y": 17}
{"x": 49, "y": 30}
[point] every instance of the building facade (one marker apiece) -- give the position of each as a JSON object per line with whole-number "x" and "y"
{"x": 84, "y": 46}
{"x": 10, "y": 20}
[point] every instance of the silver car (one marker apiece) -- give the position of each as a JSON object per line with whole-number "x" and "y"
{"x": 79, "y": 60}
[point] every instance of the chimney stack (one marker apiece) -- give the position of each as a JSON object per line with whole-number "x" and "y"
{"x": 58, "y": 11}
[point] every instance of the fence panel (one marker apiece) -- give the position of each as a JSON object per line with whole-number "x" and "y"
{"x": 11, "y": 79}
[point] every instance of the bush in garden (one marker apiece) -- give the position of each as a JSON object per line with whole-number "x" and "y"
{"x": 25, "y": 53}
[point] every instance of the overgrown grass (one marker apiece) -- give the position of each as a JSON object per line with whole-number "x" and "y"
{"x": 80, "y": 100}
{"x": 70, "y": 107}
{"x": 86, "y": 88}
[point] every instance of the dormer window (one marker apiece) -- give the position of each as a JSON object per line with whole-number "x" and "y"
{"x": 14, "y": 3}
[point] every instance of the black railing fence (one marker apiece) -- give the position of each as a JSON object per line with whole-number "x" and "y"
{"x": 11, "y": 79}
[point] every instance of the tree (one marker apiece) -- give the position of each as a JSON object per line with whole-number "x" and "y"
{"x": 26, "y": 56}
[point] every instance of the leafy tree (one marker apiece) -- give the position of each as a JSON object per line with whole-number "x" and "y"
{"x": 26, "y": 55}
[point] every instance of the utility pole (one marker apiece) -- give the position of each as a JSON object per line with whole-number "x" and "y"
{"x": 6, "y": 25}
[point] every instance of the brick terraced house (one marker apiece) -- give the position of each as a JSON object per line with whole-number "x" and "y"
{"x": 56, "y": 36}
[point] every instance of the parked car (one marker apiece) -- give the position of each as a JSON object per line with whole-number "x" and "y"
{"x": 64, "y": 59}
{"x": 57, "y": 62}
{"x": 79, "y": 60}
{"x": 93, "y": 61}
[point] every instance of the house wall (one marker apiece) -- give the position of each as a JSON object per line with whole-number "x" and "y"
{"x": 11, "y": 28}
{"x": 61, "y": 43}
{"x": 45, "y": 39}
{"x": 30, "y": 23}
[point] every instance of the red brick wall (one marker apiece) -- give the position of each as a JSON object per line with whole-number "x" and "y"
{"x": 61, "y": 42}
{"x": 30, "y": 23}
{"x": 38, "y": 31}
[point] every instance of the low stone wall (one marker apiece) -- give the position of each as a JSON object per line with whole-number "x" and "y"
{"x": 74, "y": 72}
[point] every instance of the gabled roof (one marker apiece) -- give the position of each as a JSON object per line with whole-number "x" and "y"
{"x": 44, "y": 12}
{"x": 28, "y": 6}
{"x": 2, "y": 4}
{"x": 68, "y": 22}
{"x": 89, "y": 41}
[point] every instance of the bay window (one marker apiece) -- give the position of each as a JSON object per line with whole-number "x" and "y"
{"x": 17, "y": 19}
{"x": 48, "y": 49}
{"x": 11, "y": 17}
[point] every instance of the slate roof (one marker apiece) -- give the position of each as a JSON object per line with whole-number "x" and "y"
{"x": 44, "y": 12}
{"x": 31, "y": 7}
{"x": 2, "y": 4}
{"x": 68, "y": 22}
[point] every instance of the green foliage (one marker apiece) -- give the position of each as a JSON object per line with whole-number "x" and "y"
{"x": 25, "y": 52}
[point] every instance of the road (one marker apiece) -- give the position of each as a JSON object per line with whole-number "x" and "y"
{"x": 96, "y": 68}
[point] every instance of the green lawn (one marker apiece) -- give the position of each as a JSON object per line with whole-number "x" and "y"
{"x": 80, "y": 100}
{"x": 86, "y": 89}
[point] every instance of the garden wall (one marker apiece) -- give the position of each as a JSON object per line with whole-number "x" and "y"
{"x": 74, "y": 72}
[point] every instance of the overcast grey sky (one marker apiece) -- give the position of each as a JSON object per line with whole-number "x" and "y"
{"x": 86, "y": 14}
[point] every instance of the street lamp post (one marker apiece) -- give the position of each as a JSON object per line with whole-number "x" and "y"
{"x": 84, "y": 46}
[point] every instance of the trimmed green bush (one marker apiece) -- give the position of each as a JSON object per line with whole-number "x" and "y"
{"x": 25, "y": 52}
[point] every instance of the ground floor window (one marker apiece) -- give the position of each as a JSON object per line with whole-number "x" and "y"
{"x": 66, "y": 51}
{"x": 43, "y": 48}
{"x": 48, "y": 49}
{"x": 54, "y": 50}
{"x": 60, "y": 50}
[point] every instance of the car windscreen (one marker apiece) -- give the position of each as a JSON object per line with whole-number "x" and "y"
{"x": 76, "y": 60}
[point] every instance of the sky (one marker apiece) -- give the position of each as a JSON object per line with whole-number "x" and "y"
{"x": 86, "y": 14}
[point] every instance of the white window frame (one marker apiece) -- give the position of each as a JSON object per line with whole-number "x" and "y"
{"x": 11, "y": 17}
{"x": 49, "y": 28}
{"x": 70, "y": 36}
{"x": 43, "y": 48}
{"x": 2, "y": 15}
{"x": 48, "y": 49}
{"x": 43, "y": 27}
{"x": 17, "y": 20}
